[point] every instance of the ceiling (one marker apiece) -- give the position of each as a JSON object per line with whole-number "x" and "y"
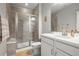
{"x": 55, "y": 6}
{"x": 22, "y": 5}
{"x": 59, "y": 6}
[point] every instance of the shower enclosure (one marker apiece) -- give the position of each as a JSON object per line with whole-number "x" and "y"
{"x": 26, "y": 30}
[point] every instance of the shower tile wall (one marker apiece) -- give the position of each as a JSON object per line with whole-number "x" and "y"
{"x": 35, "y": 31}
{"x": 36, "y": 27}
{"x": 11, "y": 18}
{"x": 13, "y": 33}
{"x": 5, "y": 29}
{"x": 11, "y": 48}
{"x": 54, "y": 22}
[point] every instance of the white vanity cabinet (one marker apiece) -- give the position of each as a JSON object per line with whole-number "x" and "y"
{"x": 47, "y": 47}
{"x": 58, "y": 47}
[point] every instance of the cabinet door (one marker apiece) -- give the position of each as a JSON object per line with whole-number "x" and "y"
{"x": 46, "y": 49}
{"x": 60, "y": 53}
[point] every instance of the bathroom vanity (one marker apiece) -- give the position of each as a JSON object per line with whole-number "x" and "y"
{"x": 56, "y": 45}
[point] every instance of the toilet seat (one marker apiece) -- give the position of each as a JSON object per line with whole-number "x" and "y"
{"x": 36, "y": 44}
{"x": 36, "y": 48}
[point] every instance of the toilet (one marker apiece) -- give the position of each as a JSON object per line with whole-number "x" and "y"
{"x": 36, "y": 48}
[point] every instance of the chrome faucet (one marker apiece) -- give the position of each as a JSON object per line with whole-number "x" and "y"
{"x": 64, "y": 33}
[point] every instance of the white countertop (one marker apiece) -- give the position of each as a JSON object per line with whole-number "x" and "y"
{"x": 72, "y": 41}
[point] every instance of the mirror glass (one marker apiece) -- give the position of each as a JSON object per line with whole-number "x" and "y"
{"x": 65, "y": 17}
{"x": 77, "y": 20}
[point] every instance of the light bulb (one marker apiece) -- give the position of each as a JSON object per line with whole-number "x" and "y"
{"x": 26, "y": 4}
{"x": 33, "y": 18}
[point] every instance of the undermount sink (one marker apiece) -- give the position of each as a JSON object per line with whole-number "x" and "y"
{"x": 61, "y": 36}
{"x": 68, "y": 36}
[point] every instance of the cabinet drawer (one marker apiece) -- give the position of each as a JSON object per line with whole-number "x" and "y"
{"x": 49, "y": 41}
{"x": 67, "y": 48}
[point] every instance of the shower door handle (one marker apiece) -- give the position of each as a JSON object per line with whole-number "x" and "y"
{"x": 29, "y": 42}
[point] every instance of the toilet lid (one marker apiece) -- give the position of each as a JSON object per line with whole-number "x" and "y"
{"x": 36, "y": 44}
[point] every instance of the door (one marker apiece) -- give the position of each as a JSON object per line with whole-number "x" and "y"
{"x": 27, "y": 34}
{"x": 24, "y": 33}
{"x": 46, "y": 49}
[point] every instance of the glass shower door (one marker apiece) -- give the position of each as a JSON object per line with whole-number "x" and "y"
{"x": 24, "y": 35}
{"x": 27, "y": 33}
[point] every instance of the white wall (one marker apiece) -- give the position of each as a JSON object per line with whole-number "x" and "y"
{"x": 40, "y": 20}
{"x": 68, "y": 15}
{"x": 5, "y": 29}
{"x": 46, "y": 11}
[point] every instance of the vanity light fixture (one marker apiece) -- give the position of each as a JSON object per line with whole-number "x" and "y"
{"x": 33, "y": 18}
